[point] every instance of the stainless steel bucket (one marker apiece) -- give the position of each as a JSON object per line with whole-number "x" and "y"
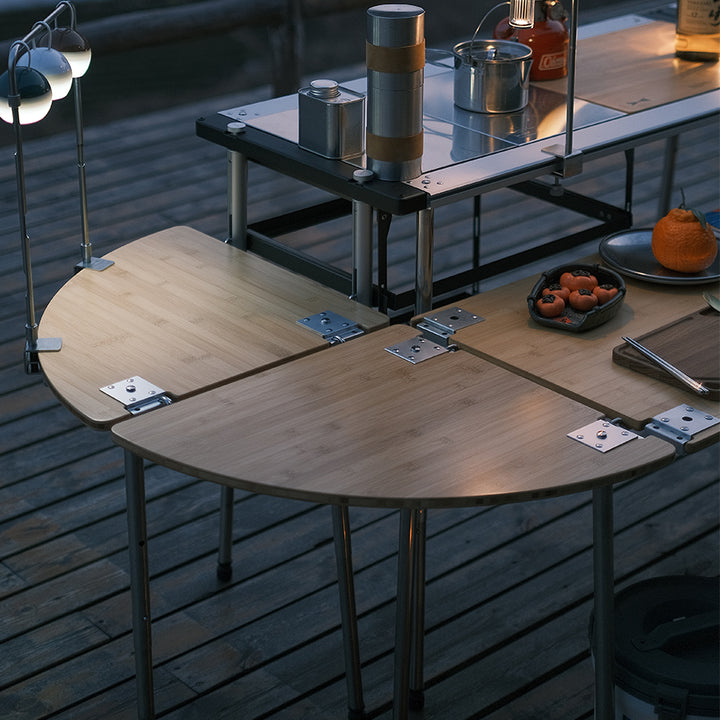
{"x": 491, "y": 76}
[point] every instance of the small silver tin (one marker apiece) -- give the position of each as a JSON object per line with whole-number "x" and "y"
{"x": 331, "y": 120}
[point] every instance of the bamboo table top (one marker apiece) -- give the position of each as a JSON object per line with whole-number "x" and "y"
{"x": 358, "y": 425}
{"x": 580, "y": 365}
{"x": 183, "y": 311}
{"x": 635, "y": 69}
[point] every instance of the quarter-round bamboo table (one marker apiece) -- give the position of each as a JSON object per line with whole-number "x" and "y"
{"x": 357, "y": 425}
{"x": 184, "y": 312}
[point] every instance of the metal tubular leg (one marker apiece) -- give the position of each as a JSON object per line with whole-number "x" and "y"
{"x": 604, "y": 602}
{"x": 139, "y": 584}
{"x": 362, "y": 252}
{"x": 403, "y": 616}
{"x": 629, "y": 177}
{"x": 668, "y": 176}
{"x": 477, "y": 209}
{"x": 237, "y": 199}
{"x": 348, "y": 611}
{"x": 224, "y": 567}
{"x": 417, "y": 698}
{"x": 383, "y": 230}
{"x": 424, "y": 261}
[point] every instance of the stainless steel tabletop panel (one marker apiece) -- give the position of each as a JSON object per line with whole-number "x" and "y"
{"x": 451, "y": 135}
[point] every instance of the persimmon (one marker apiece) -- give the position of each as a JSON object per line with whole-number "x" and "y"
{"x": 583, "y": 299}
{"x": 550, "y": 305}
{"x": 557, "y": 289}
{"x": 683, "y": 241}
{"x": 604, "y": 293}
{"x": 576, "y": 279}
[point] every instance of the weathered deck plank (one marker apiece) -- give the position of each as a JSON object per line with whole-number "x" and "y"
{"x": 509, "y": 588}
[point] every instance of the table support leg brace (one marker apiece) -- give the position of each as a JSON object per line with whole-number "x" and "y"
{"x": 424, "y": 261}
{"x": 362, "y": 252}
{"x": 417, "y": 560}
{"x": 139, "y": 584}
{"x": 403, "y": 615}
{"x": 604, "y": 602}
{"x": 224, "y": 567}
{"x": 348, "y": 611}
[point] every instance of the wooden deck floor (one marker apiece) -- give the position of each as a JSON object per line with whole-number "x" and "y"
{"x": 509, "y": 588}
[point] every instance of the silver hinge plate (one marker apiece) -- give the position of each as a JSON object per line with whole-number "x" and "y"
{"x": 417, "y": 349}
{"x": 441, "y": 325}
{"x": 602, "y": 435}
{"x": 681, "y": 423}
{"x": 137, "y": 395}
{"x": 333, "y": 327}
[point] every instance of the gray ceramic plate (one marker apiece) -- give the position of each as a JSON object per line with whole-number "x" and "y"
{"x": 629, "y": 253}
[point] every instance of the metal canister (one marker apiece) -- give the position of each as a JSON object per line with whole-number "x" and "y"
{"x": 331, "y": 120}
{"x": 395, "y": 75}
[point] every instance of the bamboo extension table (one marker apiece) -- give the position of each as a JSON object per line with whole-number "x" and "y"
{"x": 358, "y": 425}
{"x": 176, "y": 314}
{"x": 488, "y": 418}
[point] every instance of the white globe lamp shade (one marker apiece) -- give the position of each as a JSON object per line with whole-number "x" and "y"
{"x": 53, "y": 65}
{"x": 74, "y": 47}
{"x": 35, "y": 96}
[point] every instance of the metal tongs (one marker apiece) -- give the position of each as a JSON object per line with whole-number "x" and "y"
{"x": 694, "y": 385}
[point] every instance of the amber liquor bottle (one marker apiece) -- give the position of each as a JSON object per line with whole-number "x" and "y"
{"x": 697, "y": 35}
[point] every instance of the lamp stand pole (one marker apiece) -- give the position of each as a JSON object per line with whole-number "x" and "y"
{"x": 88, "y": 261}
{"x": 33, "y": 344}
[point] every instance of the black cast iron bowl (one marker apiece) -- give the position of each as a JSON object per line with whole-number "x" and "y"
{"x": 572, "y": 320}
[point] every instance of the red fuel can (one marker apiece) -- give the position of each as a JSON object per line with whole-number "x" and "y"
{"x": 548, "y": 40}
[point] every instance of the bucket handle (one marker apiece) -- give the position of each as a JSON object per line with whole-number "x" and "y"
{"x": 659, "y": 636}
{"x": 477, "y": 29}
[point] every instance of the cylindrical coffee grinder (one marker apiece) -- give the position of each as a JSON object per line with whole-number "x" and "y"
{"x": 395, "y": 72}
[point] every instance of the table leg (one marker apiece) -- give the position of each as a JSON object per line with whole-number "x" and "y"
{"x": 668, "y": 175}
{"x": 237, "y": 199}
{"x": 362, "y": 252}
{"x": 604, "y": 602}
{"x": 403, "y": 615}
{"x": 139, "y": 584}
{"x": 424, "y": 261}
{"x": 416, "y": 693}
{"x": 224, "y": 567}
{"x": 348, "y": 611}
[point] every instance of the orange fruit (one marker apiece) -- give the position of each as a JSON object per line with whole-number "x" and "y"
{"x": 682, "y": 242}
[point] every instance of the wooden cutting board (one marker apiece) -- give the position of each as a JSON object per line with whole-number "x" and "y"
{"x": 691, "y": 344}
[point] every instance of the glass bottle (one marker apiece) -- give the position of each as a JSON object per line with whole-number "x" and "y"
{"x": 697, "y": 35}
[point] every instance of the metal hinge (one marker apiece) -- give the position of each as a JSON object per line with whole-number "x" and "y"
{"x": 679, "y": 424}
{"x": 137, "y": 395}
{"x": 436, "y": 329}
{"x": 603, "y": 435}
{"x": 442, "y": 325}
{"x": 333, "y": 327}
